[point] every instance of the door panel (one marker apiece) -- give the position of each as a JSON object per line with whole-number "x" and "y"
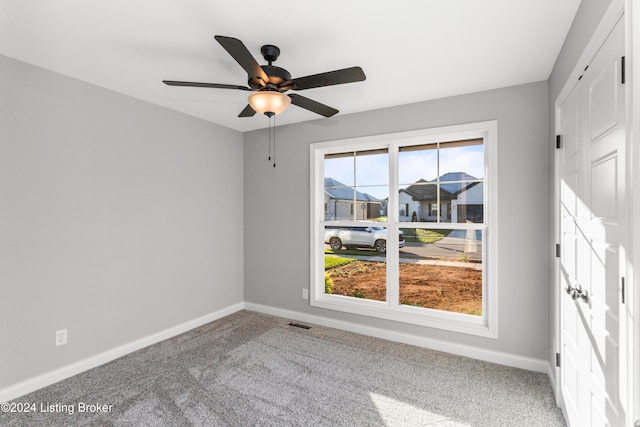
{"x": 604, "y": 191}
{"x": 603, "y": 101}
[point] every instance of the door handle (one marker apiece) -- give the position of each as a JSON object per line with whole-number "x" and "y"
{"x": 583, "y": 294}
{"x": 577, "y": 292}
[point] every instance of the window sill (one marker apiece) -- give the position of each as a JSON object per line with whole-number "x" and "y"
{"x": 450, "y": 321}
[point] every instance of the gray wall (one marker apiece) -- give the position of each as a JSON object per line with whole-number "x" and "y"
{"x": 118, "y": 219}
{"x": 584, "y": 24}
{"x": 277, "y": 213}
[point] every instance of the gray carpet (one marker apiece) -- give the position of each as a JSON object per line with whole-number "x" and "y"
{"x": 250, "y": 369}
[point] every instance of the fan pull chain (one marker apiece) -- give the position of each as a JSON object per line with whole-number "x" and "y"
{"x": 272, "y": 115}
{"x": 269, "y": 138}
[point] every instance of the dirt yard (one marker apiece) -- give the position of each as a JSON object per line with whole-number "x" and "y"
{"x": 438, "y": 287}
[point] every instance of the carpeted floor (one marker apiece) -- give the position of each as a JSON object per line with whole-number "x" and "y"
{"x": 250, "y": 369}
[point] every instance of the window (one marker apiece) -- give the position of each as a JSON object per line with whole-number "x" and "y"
{"x": 403, "y": 227}
{"x": 433, "y": 210}
{"x": 404, "y": 209}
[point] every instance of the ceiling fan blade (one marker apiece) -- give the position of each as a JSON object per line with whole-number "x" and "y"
{"x": 311, "y": 105}
{"x": 241, "y": 54}
{"x": 210, "y": 85}
{"x": 247, "y": 112}
{"x": 337, "y": 77}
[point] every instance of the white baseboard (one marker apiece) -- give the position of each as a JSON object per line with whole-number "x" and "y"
{"x": 501, "y": 358}
{"x": 24, "y": 387}
{"x": 32, "y": 384}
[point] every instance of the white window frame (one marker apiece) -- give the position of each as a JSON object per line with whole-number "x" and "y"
{"x": 485, "y": 325}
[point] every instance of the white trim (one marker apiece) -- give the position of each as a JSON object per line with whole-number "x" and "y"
{"x": 555, "y": 279}
{"x": 32, "y": 384}
{"x": 484, "y": 326}
{"x": 501, "y": 358}
{"x": 632, "y": 46}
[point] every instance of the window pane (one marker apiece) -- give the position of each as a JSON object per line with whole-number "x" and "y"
{"x": 442, "y": 270}
{"x": 464, "y": 159}
{"x": 348, "y": 204}
{"x": 372, "y": 183}
{"x": 372, "y": 168}
{"x": 442, "y": 182}
{"x": 417, "y": 164}
{"x": 355, "y": 262}
{"x": 339, "y": 169}
{"x": 468, "y": 206}
{"x": 356, "y": 185}
{"x": 420, "y": 200}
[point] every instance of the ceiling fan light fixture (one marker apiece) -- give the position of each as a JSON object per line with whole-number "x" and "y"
{"x": 269, "y": 101}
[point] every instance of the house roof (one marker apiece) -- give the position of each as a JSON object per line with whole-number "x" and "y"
{"x": 337, "y": 190}
{"x": 458, "y": 185}
{"x": 451, "y": 184}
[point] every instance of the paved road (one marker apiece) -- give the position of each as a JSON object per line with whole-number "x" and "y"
{"x": 450, "y": 248}
{"x": 447, "y": 247}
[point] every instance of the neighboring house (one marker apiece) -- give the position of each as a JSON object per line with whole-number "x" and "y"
{"x": 461, "y": 199}
{"x": 342, "y": 202}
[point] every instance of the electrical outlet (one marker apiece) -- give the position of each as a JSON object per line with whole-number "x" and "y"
{"x": 305, "y": 293}
{"x": 61, "y": 337}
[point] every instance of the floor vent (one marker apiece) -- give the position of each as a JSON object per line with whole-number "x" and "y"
{"x": 299, "y": 325}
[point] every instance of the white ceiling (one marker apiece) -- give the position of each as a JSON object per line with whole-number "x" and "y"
{"x": 410, "y": 50}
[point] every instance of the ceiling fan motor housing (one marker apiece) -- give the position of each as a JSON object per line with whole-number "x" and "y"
{"x": 276, "y": 75}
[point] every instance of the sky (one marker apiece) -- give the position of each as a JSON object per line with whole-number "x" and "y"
{"x": 372, "y": 174}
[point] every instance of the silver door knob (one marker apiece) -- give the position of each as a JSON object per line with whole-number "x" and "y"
{"x": 576, "y": 292}
{"x": 583, "y": 294}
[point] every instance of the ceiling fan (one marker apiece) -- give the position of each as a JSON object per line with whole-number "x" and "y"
{"x": 269, "y": 82}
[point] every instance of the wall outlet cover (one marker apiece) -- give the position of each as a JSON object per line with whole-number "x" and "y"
{"x": 61, "y": 337}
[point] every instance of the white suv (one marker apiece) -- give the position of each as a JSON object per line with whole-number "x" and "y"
{"x": 358, "y": 237}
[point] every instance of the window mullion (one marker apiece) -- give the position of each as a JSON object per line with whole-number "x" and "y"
{"x": 393, "y": 219}
{"x": 355, "y": 188}
{"x": 438, "y": 201}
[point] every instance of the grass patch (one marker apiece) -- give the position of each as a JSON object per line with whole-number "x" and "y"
{"x": 357, "y": 294}
{"x": 332, "y": 261}
{"x": 423, "y": 236}
{"x": 328, "y": 283}
{"x": 351, "y": 252}
{"x": 412, "y": 304}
